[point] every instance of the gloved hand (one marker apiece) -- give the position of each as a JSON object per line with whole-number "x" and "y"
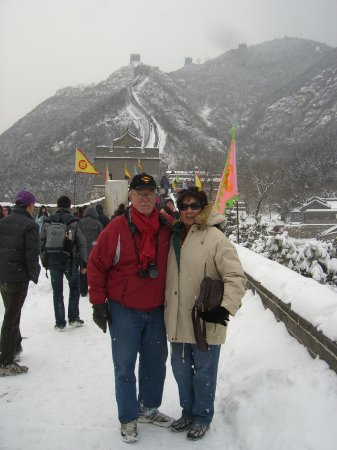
{"x": 218, "y": 315}
{"x": 101, "y": 316}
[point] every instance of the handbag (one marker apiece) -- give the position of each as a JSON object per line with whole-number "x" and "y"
{"x": 210, "y": 297}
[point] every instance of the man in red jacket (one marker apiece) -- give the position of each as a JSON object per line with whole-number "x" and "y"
{"x": 126, "y": 275}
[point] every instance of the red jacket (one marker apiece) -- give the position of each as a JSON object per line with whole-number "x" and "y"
{"x": 113, "y": 267}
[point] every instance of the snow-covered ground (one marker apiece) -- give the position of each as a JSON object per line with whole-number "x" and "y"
{"x": 271, "y": 394}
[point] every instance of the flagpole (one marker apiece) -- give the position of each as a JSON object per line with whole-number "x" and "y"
{"x": 237, "y": 220}
{"x": 75, "y": 190}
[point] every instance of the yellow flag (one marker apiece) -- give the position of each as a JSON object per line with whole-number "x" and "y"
{"x": 140, "y": 167}
{"x": 83, "y": 165}
{"x": 126, "y": 173}
{"x": 198, "y": 181}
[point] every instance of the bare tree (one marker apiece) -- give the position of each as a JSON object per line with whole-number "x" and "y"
{"x": 262, "y": 187}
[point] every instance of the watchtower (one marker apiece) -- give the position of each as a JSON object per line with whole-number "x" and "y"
{"x": 134, "y": 59}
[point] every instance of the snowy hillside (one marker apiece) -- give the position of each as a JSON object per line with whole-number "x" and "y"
{"x": 282, "y": 95}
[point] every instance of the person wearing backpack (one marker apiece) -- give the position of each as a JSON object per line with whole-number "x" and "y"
{"x": 63, "y": 252}
{"x": 19, "y": 264}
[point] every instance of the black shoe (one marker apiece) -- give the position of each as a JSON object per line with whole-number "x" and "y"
{"x": 197, "y": 431}
{"x": 182, "y": 424}
{"x": 60, "y": 328}
{"x": 76, "y": 323}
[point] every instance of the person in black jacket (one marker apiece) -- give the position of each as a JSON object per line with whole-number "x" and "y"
{"x": 91, "y": 228}
{"x": 19, "y": 264}
{"x": 101, "y": 216}
{"x": 61, "y": 263}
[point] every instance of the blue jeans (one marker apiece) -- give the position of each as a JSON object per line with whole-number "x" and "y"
{"x": 136, "y": 332}
{"x": 59, "y": 265}
{"x": 196, "y": 373}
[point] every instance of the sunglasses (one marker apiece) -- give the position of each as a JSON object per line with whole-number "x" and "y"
{"x": 194, "y": 206}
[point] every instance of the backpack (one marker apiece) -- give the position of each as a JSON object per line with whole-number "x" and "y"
{"x": 60, "y": 238}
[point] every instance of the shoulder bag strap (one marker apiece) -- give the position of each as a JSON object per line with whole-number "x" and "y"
{"x": 200, "y": 335}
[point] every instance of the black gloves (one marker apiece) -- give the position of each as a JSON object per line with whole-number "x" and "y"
{"x": 218, "y": 315}
{"x": 101, "y": 316}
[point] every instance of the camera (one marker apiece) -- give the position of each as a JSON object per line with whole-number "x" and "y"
{"x": 150, "y": 272}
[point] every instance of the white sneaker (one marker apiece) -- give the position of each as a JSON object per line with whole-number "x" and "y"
{"x": 153, "y": 415}
{"x": 129, "y": 433}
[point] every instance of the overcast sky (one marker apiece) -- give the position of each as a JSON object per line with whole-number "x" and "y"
{"x": 46, "y": 45}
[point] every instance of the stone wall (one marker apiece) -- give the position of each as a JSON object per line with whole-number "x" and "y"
{"x": 308, "y": 335}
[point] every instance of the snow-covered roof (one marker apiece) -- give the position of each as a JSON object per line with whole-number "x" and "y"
{"x": 320, "y": 210}
{"x": 326, "y": 202}
{"x": 127, "y": 133}
{"x": 315, "y": 200}
{"x": 332, "y": 203}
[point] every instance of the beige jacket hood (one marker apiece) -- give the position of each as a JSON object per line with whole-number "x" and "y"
{"x": 207, "y": 247}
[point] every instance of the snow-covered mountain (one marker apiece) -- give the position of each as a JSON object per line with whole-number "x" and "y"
{"x": 282, "y": 95}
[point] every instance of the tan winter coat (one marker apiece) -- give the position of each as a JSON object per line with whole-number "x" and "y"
{"x": 203, "y": 244}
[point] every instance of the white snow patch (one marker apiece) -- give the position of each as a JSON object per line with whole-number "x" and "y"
{"x": 162, "y": 136}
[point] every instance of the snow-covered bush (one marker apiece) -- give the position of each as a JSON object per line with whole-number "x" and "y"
{"x": 310, "y": 258}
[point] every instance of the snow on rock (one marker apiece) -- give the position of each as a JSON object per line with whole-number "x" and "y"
{"x": 311, "y": 300}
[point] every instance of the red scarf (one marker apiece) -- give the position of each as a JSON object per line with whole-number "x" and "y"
{"x": 148, "y": 227}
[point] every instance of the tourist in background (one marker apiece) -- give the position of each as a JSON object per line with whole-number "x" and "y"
{"x": 41, "y": 215}
{"x": 91, "y": 228}
{"x": 19, "y": 264}
{"x": 170, "y": 209}
{"x": 120, "y": 210}
{"x": 68, "y": 264}
{"x": 6, "y": 211}
{"x": 101, "y": 216}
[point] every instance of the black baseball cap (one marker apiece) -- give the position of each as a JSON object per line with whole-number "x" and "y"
{"x": 143, "y": 181}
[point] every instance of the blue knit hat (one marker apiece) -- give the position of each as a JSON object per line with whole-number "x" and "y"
{"x": 25, "y": 198}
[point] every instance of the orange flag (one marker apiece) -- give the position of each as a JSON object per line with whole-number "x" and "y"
{"x": 83, "y": 165}
{"x": 228, "y": 187}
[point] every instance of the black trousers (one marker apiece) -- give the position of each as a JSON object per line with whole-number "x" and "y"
{"x": 13, "y": 295}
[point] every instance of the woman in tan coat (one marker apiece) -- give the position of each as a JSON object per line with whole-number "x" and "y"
{"x": 198, "y": 249}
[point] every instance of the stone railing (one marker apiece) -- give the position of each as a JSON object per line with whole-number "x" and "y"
{"x": 306, "y": 333}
